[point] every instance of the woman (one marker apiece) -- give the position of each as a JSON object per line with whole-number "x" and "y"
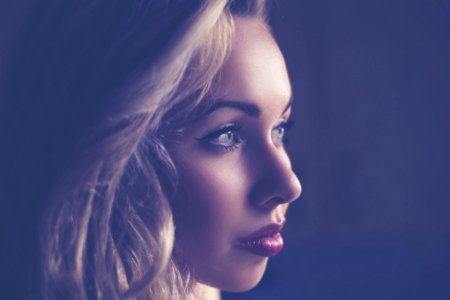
{"x": 144, "y": 150}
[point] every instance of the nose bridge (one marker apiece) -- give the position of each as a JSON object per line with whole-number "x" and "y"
{"x": 277, "y": 183}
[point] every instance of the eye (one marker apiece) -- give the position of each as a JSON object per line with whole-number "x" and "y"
{"x": 279, "y": 131}
{"x": 278, "y": 134}
{"x": 226, "y": 138}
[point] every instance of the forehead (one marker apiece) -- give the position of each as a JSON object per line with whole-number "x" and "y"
{"x": 255, "y": 70}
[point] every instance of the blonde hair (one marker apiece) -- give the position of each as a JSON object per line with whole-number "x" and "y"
{"x": 106, "y": 228}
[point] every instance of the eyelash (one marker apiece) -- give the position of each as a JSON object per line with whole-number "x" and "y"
{"x": 234, "y": 129}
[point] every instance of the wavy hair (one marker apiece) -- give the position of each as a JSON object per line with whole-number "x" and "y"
{"x": 92, "y": 89}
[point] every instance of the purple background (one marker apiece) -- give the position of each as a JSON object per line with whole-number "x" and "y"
{"x": 371, "y": 145}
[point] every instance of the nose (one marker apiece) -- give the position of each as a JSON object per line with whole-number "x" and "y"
{"x": 276, "y": 183}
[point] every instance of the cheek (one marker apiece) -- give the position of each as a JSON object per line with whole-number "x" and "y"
{"x": 211, "y": 200}
{"x": 210, "y": 211}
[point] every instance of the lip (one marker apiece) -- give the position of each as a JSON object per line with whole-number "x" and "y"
{"x": 266, "y": 241}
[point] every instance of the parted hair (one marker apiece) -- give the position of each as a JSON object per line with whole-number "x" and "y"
{"x": 92, "y": 89}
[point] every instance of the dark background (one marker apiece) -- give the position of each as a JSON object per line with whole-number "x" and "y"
{"x": 371, "y": 146}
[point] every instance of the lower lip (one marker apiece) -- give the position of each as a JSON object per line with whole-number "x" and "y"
{"x": 264, "y": 246}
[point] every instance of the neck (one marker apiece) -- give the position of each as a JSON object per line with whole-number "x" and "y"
{"x": 204, "y": 292}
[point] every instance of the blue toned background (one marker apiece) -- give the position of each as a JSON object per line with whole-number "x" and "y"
{"x": 371, "y": 145}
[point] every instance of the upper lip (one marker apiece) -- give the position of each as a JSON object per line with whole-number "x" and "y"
{"x": 265, "y": 231}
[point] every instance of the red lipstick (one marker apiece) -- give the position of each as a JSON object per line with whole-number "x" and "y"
{"x": 266, "y": 241}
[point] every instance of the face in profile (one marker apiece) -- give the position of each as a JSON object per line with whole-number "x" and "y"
{"x": 235, "y": 177}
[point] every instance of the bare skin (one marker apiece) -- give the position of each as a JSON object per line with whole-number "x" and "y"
{"x": 234, "y": 173}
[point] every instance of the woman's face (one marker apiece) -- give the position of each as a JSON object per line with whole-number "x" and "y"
{"x": 235, "y": 177}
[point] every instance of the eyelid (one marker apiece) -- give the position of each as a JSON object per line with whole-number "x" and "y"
{"x": 222, "y": 130}
{"x": 287, "y": 124}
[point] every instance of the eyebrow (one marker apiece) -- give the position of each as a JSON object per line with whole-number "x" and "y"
{"x": 249, "y": 109}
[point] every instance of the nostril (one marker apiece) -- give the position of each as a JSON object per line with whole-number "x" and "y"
{"x": 274, "y": 202}
{"x": 276, "y": 183}
{"x": 278, "y": 200}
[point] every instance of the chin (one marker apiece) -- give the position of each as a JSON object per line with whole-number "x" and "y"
{"x": 244, "y": 279}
